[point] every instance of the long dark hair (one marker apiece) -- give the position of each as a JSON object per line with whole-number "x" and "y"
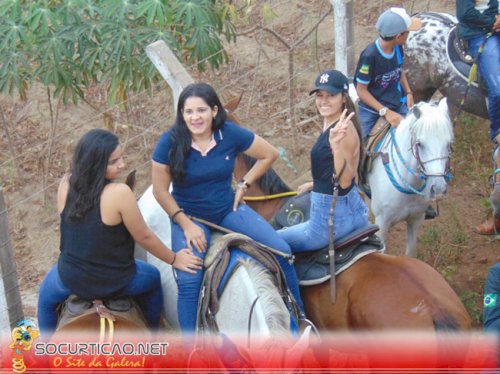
{"x": 351, "y": 108}
{"x": 181, "y": 137}
{"x": 88, "y": 172}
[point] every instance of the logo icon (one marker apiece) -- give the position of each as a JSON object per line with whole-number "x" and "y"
{"x": 23, "y": 336}
{"x": 324, "y": 78}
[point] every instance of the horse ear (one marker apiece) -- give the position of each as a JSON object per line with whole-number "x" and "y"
{"x": 416, "y": 112}
{"x": 232, "y": 104}
{"x": 443, "y": 104}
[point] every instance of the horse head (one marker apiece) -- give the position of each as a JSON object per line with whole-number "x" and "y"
{"x": 431, "y": 139}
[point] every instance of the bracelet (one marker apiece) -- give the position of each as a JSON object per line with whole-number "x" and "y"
{"x": 173, "y": 261}
{"x": 179, "y": 211}
{"x": 243, "y": 184}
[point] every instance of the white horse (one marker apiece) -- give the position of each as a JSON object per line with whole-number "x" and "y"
{"x": 250, "y": 304}
{"x": 411, "y": 170}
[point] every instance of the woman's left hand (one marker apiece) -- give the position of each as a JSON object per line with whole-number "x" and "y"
{"x": 238, "y": 198}
{"x": 339, "y": 132}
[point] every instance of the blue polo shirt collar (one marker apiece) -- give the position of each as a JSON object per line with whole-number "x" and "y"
{"x": 216, "y": 138}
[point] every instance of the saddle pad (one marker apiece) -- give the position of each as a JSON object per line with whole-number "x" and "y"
{"x": 295, "y": 210}
{"x": 314, "y": 267}
{"x": 233, "y": 264}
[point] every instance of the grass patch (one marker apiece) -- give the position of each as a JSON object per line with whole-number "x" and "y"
{"x": 473, "y": 303}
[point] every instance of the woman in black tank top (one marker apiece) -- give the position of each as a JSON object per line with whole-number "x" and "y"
{"x": 338, "y": 147}
{"x": 100, "y": 220}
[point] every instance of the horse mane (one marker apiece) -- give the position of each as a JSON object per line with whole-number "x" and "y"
{"x": 433, "y": 122}
{"x": 271, "y": 183}
{"x": 277, "y": 315}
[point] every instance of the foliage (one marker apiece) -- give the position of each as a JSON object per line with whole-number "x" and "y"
{"x": 71, "y": 44}
{"x": 473, "y": 303}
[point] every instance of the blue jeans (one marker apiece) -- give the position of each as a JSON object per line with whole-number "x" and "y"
{"x": 368, "y": 117}
{"x": 350, "y": 214}
{"x": 245, "y": 221}
{"x": 146, "y": 285}
{"x": 489, "y": 67}
{"x": 491, "y": 317}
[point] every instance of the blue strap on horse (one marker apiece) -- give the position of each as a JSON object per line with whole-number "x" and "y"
{"x": 399, "y": 57}
{"x": 409, "y": 190}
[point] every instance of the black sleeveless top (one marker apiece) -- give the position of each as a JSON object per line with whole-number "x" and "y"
{"x": 96, "y": 260}
{"x": 322, "y": 165}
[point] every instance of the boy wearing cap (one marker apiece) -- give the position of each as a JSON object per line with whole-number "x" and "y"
{"x": 380, "y": 81}
{"x": 480, "y": 26}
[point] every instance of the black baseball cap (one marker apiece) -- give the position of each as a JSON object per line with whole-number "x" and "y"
{"x": 332, "y": 81}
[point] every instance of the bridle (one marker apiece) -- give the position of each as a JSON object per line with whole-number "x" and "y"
{"x": 446, "y": 174}
{"x": 420, "y": 172}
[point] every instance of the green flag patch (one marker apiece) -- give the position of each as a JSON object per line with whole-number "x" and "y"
{"x": 490, "y": 300}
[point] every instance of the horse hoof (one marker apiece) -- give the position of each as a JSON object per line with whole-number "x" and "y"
{"x": 495, "y": 198}
{"x": 489, "y": 227}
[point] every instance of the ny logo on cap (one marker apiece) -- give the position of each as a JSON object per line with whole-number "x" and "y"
{"x": 324, "y": 78}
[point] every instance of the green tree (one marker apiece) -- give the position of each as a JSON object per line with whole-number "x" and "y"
{"x": 71, "y": 44}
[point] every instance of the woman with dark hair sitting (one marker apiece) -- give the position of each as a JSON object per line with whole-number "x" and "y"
{"x": 197, "y": 156}
{"x": 338, "y": 150}
{"x": 100, "y": 220}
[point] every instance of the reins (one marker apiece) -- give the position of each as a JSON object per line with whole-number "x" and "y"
{"x": 270, "y": 197}
{"x": 420, "y": 174}
{"x": 227, "y": 231}
{"x": 331, "y": 235}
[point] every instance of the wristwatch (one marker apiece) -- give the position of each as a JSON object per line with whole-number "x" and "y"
{"x": 382, "y": 112}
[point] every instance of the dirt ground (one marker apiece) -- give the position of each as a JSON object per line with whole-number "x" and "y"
{"x": 39, "y": 150}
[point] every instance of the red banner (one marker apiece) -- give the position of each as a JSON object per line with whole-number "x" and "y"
{"x": 410, "y": 352}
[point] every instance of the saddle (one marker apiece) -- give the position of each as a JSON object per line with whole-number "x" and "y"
{"x": 75, "y": 308}
{"x": 218, "y": 265}
{"x": 295, "y": 210}
{"x": 313, "y": 267}
{"x": 377, "y": 134}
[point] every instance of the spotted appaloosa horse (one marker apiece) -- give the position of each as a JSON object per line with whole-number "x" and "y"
{"x": 429, "y": 68}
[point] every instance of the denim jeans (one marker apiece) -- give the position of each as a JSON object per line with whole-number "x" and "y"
{"x": 368, "y": 116}
{"x": 245, "y": 221}
{"x": 489, "y": 67}
{"x": 350, "y": 214}
{"x": 491, "y": 311}
{"x": 145, "y": 285}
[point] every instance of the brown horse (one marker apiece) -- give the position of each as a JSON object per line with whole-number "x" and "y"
{"x": 379, "y": 292}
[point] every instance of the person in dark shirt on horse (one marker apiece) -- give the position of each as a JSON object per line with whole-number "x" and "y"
{"x": 197, "y": 157}
{"x": 380, "y": 80}
{"x": 339, "y": 147}
{"x": 479, "y": 25}
{"x": 100, "y": 220}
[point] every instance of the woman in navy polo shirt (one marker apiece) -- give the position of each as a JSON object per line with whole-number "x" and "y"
{"x": 198, "y": 156}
